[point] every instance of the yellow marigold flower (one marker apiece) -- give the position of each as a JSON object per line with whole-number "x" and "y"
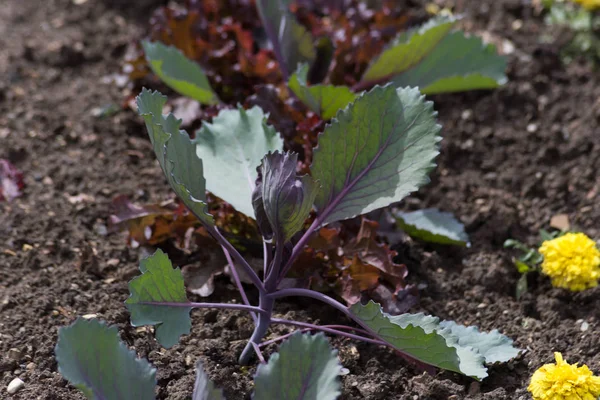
{"x": 563, "y": 381}
{"x": 572, "y": 261}
{"x": 589, "y": 4}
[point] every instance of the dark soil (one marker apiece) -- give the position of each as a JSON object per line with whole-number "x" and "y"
{"x": 510, "y": 160}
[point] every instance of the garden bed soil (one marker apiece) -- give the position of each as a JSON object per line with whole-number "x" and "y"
{"x": 510, "y": 160}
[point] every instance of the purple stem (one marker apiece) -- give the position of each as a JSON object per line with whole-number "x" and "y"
{"x": 224, "y": 306}
{"x": 259, "y": 354}
{"x": 238, "y": 282}
{"x": 332, "y": 329}
{"x": 299, "y": 247}
{"x": 214, "y": 232}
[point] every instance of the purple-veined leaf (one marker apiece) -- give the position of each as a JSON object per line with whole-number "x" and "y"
{"x": 286, "y": 199}
{"x": 91, "y": 357}
{"x": 231, "y": 149}
{"x": 305, "y": 368}
{"x": 176, "y": 154}
{"x": 157, "y": 297}
{"x": 292, "y": 43}
{"x": 375, "y": 152}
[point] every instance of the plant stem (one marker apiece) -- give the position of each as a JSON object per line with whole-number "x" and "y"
{"x": 332, "y": 329}
{"x": 238, "y": 282}
{"x": 299, "y": 247}
{"x": 264, "y": 320}
{"x": 224, "y": 306}
{"x": 272, "y": 278}
{"x": 259, "y": 354}
{"x": 214, "y": 232}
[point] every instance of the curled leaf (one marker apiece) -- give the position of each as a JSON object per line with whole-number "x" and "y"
{"x": 286, "y": 198}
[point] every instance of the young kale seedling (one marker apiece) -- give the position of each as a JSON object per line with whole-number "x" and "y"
{"x": 375, "y": 152}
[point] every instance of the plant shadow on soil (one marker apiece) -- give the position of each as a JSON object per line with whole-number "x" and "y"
{"x": 510, "y": 160}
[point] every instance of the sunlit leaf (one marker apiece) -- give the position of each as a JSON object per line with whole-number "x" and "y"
{"x": 443, "y": 344}
{"x": 231, "y": 148}
{"x": 176, "y": 153}
{"x": 178, "y": 72}
{"x": 91, "y": 357}
{"x": 325, "y": 100}
{"x": 285, "y": 197}
{"x": 292, "y": 43}
{"x": 305, "y": 368}
{"x": 433, "y": 225}
{"x": 204, "y": 388}
{"x": 377, "y": 150}
{"x": 438, "y": 60}
{"x": 157, "y": 297}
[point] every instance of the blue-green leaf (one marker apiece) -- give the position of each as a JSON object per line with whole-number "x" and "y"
{"x": 231, "y": 148}
{"x": 433, "y": 225}
{"x": 93, "y": 359}
{"x": 442, "y": 344}
{"x": 292, "y": 43}
{"x": 325, "y": 100}
{"x": 157, "y": 297}
{"x": 178, "y": 72}
{"x": 176, "y": 153}
{"x": 438, "y": 60}
{"x": 204, "y": 388}
{"x": 305, "y": 368}
{"x": 375, "y": 152}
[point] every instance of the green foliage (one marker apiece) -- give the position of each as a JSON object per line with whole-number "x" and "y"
{"x": 93, "y": 359}
{"x": 176, "y": 154}
{"x": 178, "y": 72}
{"x": 325, "y": 100}
{"x": 583, "y": 23}
{"x": 292, "y": 43}
{"x": 529, "y": 260}
{"x": 305, "y": 368}
{"x": 442, "y": 344}
{"x": 231, "y": 148}
{"x": 377, "y": 151}
{"x": 433, "y": 225}
{"x": 438, "y": 60}
{"x": 157, "y": 297}
{"x": 284, "y": 198}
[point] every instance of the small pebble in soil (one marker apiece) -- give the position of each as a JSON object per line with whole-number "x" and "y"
{"x": 15, "y": 385}
{"x": 14, "y": 354}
